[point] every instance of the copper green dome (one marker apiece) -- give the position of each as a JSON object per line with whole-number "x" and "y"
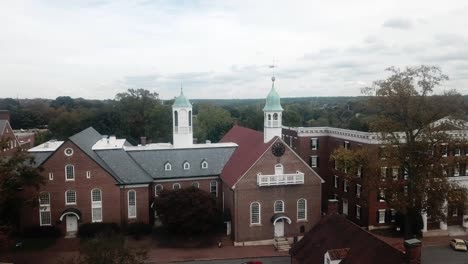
{"x": 181, "y": 101}
{"x": 273, "y": 100}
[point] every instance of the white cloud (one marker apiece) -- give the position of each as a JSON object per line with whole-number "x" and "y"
{"x": 221, "y": 49}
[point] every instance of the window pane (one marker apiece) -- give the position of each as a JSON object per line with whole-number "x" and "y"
{"x": 71, "y": 197}
{"x": 96, "y": 195}
{"x": 255, "y": 213}
{"x": 44, "y": 198}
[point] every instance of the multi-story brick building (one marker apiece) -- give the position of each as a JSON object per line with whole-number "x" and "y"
{"x": 266, "y": 188}
{"x": 365, "y": 206}
{"x": 7, "y": 136}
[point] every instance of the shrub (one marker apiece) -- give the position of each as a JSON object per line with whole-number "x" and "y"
{"x": 136, "y": 230}
{"x": 92, "y": 229}
{"x": 41, "y": 232}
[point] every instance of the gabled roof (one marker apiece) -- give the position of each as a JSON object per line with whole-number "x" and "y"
{"x": 3, "y": 124}
{"x": 153, "y": 160}
{"x": 251, "y": 147}
{"x": 40, "y": 157}
{"x": 336, "y": 232}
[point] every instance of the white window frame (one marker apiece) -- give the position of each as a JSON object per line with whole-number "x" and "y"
{"x": 383, "y": 173}
{"x": 88, "y": 174}
{"x": 381, "y": 216}
{"x": 456, "y": 170}
{"x": 156, "y": 194}
{"x": 358, "y": 190}
{"x": 279, "y": 169}
{"x": 445, "y": 145}
{"x": 346, "y": 144}
{"x": 167, "y": 166}
{"x": 72, "y": 172}
{"x": 381, "y": 195}
{"x": 345, "y": 207}
{"x": 457, "y": 152}
{"x": 336, "y": 181}
{"x": 96, "y": 204}
{"x": 345, "y": 185}
{"x": 204, "y": 164}
{"x": 68, "y": 154}
{"x": 196, "y": 185}
{"x": 51, "y": 176}
{"x": 132, "y": 213}
{"x": 44, "y": 210}
{"x": 215, "y": 185}
{"x": 186, "y": 165}
{"x": 259, "y": 214}
{"x": 176, "y": 184}
{"x": 313, "y": 143}
{"x": 358, "y": 211}
{"x": 313, "y": 161}
{"x": 395, "y": 171}
{"x": 278, "y": 202}
{"x": 301, "y": 210}
{"x": 66, "y": 197}
{"x": 392, "y": 215}
{"x": 359, "y": 171}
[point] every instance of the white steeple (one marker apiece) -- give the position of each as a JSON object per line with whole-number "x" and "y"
{"x": 182, "y": 134}
{"x": 272, "y": 114}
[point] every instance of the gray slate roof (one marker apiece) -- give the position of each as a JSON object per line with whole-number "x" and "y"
{"x": 124, "y": 166}
{"x": 40, "y": 157}
{"x": 3, "y": 124}
{"x": 153, "y": 161}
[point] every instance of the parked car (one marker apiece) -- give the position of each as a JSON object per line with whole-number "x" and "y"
{"x": 458, "y": 244}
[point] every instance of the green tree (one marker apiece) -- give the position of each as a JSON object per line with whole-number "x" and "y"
{"x": 189, "y": 211}
{"x": 408, "y": 107}
{"x": 212, "y": 122}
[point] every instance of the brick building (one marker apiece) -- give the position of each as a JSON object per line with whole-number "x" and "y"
{"x": 365, "y": 207}
{"x": 7, "y": 135}
{"x": 267, "y": 190}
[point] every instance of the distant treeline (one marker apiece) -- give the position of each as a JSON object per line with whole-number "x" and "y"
{"x": 139, "y": 112}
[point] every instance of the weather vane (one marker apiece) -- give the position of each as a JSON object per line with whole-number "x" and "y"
{"x": 272, "y": 67}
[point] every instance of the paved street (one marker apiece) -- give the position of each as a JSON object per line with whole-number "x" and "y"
{"x": 271, "y": 260}
{"x": 443, "y": 254}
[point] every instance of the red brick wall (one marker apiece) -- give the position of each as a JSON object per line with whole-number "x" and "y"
{"x": 83, "y": 186}
{"x": 142, "y": 203}
{"x": 9, "y": 137}
{"x": 204, "y": 184}
{"x": 247, "y": 191}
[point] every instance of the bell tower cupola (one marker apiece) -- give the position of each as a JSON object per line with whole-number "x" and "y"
{"x": 182, "y": 122}
{"x": 273, "y": 113}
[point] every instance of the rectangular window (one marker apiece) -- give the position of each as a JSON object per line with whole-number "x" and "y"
{"x": 405, "y": 190}
{"x": 132, "y": 211}
{"x": 336, "y": 181}
{"x": 96, "y": 205}
{"x": 382, "y": 152}
{"x": 456, "y": 170}
{"x": 69, "y": 173}
{"x": 358, "y": 212}
{"x": 405, "y": 173}
{"x": 358, "y": 190}
{"x": 314, "y": 161}
{"x": 383, "y": 173}
{"x": 381, "y": 216}
{"x": 444, "y": 149}
{"x": 345, "y": 185}
{"x": 382, "y": 195}
{"x": 255, "y": 213}
{"x": 51, "y": 176}
{"x": 70, "y": 197}
{"x": 88, "y": 174}
{"x": 45, "y": 217}
{"x": 214, "y": 188}
{"x": 457, "y": 152}
{"x": 359, "y": 171}
{"x": 301, "y": 209}
{"x": 314, "y": 143}
{"x": 346, "y": 144}
{"x": 393, "y": 215}
{"x": 395, "y": 173}
{"x": 345, "y": 206}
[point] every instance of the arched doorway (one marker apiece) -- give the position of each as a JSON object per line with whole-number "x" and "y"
{"x": 279, "y": 221}
{"x": 71, "y": 216}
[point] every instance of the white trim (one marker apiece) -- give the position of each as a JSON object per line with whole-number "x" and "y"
{"x": 51, "y": 176}
{"x": 135, "y": 186}
{"x": 186, "y": 165}
{"x": 65, "y": 152}
{"x": 187, "y": 179}
{"x": 176, "y": 184}
{"x": 204, "y": 164}
{"x": 216, "y": 186}
{"x": 383, "y": 220}
{"x": 155, "y": 189}
{"x": 282, "y": 206}
{"x": 128, "y": 205}
{"x": 313, "y": 159}
{"x": 196, "y": 184}
{"x": 167, "y": 166}
{"x": 259, "y": 214}
{"x": 73, "y": 172}
{"x": 46, "y": 208}
{"x": 305, "y": 210}
{"x": 67, "y": 213}
{"x": 66, "y": 198}
{"x": 96, "y": 205}
{"x": 88, "y": 174}
{"x": 283, "y": 217}
{"x": 358, "y": 209}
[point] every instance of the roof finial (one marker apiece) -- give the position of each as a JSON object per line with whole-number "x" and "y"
{"x": 272, "y": 67}
{"x": 181, "y": 89}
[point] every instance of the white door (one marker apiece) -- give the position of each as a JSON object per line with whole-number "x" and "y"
{"x": 72, "y": 223}
{"x": 279, "y": 228}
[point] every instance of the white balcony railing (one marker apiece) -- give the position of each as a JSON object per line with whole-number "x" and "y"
{"x": 280, "y": 179}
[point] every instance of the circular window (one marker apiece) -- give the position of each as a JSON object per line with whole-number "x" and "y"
{"x": 68, "y": 151}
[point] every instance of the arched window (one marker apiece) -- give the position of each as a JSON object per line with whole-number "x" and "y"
{"x": 190, "y": 118}
{"x": 158, "y": 189}
{"x": 275, "y": 116}
{"x": 269, "y": 116}
{"x": 176, "y": 186}
{"x": 132, "y": 209}
{"x": 196, "y": 185}
{"x": 96, "y": 205}
{"x": 279, "y": 169}
{"x": 186, "y": 165}
{"x": 45, "y": 217}
{"x": 167, "y": 166}
{"x": 204, "y": 164}
{"x": 279, "y": 206}
{"x": 301, "y": 209}
{"x": 255, "y": 213}
{"x": 176, "y": 118}
{"x": 69, "y": 172}
{"x": 70, "y": 197}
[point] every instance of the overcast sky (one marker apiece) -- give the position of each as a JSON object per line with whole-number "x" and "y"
{"x": 222, "y": 49}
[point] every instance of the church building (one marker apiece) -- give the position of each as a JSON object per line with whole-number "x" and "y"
{"x": 257, "y": 179}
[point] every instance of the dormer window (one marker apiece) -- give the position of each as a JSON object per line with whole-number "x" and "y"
{"x": 186, "y": 165}
{"x": 167, "y": 166}
{"x": 279, "y": 169}
{"x": 204, "y": 164}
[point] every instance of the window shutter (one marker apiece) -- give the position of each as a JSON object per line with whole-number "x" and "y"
{"x": 318, "y": 161}
{"x": 310, "y": 161}
{"x": 317, "y": 143}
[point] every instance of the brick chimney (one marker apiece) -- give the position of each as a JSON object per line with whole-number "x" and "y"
{"x": 412, "y": 251}
{"x": 5, "y": 115}
{"x": 332, "y": 206}
{"x": 143, "y": 141}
